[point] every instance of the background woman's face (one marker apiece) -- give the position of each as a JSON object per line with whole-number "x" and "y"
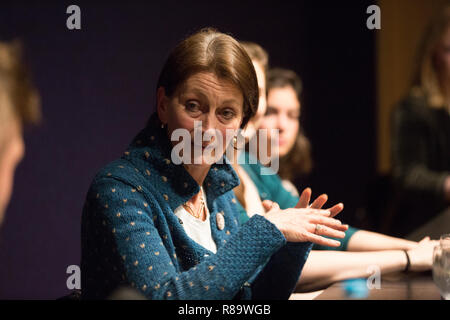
{"x": 442, "y": 56}
{"x": 283, "y": 112}
{"x": 204, "y": 97}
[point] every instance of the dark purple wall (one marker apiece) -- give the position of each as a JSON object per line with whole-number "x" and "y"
{"x": 97, "y": 89}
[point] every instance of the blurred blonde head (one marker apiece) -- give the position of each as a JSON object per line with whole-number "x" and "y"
{"x": 433, "y": 61}
{"x": 19, "y": 105}
{"x": 260, "y": 60}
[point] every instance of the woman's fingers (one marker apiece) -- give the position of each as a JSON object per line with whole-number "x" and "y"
{"x": 330, "y": 222}
{"x": 322, "y": 230}
{"x": 270, "y": 205}
{"x": 267, "y": 205}
{"x": 336, "y": 209}
{"x": 314, "y": 238}
{"x": 306, "y": 224}
{"x": 305, "y": 197}
{"x": 321, "y": 212}
{"x": 331, "y": 212}
{"x": 319, "y": 202}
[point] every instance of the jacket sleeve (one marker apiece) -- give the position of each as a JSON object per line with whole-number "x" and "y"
{"x": 279, "y": 277}
{"x": 123, "y": 216}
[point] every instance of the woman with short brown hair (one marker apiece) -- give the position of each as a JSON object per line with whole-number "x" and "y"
{"x": 171, "y": 230}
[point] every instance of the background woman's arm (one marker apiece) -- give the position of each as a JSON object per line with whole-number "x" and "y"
{"x": 363, "y": 240}
{"x": 323, "y": 268}
{"x": 326, "y": 267}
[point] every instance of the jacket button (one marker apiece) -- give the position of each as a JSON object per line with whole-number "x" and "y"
{"x": 220, "y": 221}
{"x": 180, "y": 221}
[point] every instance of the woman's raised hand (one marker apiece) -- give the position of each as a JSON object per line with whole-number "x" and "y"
{"x": 305, "y": 197}
{"x": 302, "y": 224}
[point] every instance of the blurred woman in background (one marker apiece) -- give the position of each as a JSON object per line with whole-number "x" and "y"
{"x": 421, "y": 134}
{"x": 19, "y": 105}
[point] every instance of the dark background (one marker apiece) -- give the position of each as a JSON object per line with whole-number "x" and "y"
{"x": 97, "y": 87}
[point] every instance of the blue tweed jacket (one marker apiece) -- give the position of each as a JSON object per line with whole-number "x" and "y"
{"x": 131, "y": 236}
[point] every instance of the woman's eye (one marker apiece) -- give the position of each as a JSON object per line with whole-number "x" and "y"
{"x": 270, "y": 111}
{"x": 294, "y": 116}
{"x": 228, "y": 114}
{"x": 192, "y": 106}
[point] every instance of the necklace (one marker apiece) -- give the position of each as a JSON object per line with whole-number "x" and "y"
{"x": 191, "y": 209}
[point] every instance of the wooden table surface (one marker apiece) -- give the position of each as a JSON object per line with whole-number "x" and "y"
{"x": 393, "y": 287}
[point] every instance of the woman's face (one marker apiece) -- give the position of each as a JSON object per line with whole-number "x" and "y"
{"x": 204, "y": 97}
{"x": 283, "y": 112}
{"x": 442, "y": 56}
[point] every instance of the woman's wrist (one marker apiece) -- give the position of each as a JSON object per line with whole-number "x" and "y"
{"x": 392, "y": 260}
{"x": 408, "y": 261}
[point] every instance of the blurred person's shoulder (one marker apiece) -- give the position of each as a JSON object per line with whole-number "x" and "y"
{"x": 414, "y": 106}
{"x": 414, "y": 101}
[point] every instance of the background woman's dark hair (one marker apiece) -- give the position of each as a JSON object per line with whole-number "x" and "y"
{"x": 211, "y": 51}
{"x": 298, "y": 160}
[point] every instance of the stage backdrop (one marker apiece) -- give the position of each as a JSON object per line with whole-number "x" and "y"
{"x": 97, "y": 87}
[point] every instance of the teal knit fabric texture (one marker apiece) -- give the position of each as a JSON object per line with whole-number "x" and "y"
{"x": 131, "y": 237}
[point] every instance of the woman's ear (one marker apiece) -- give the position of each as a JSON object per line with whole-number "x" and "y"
{"x": 161, "y": 104}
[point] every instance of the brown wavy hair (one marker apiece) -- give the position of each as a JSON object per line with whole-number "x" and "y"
{"x": 298, "y": 160}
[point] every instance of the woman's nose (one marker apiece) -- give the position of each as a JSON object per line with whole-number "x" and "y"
{"x": 209, "y": 121}
{"x": 209, "y": 125}
{"x": 282, "y": 122}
